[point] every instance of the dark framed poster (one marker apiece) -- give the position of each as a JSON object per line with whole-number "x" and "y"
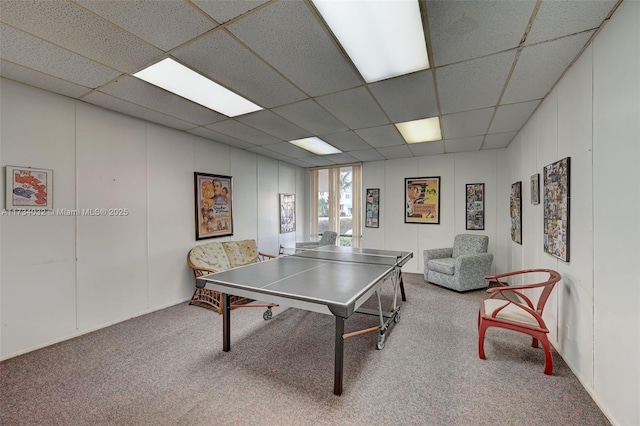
{"x": 287, "y": 213}
{"x": 214, "y": 213}
{"x": 372, "y": 210}
{"x": 515, "y": 211}
{"x": 422, "y": 198}
{"x": 475, "y": 206}
{"x": 557, "y": 185}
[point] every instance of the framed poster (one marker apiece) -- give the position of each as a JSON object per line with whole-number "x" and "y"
{"x": 287, "y": 213}
{"x": 372, "y": 208}
{"x": 214, "y": 212}
{"x": 28, "y": 188}
{"x": 475, "y": 206}
{"x": 535, "y": 189}
{"x": 422, "y": 198}
{"x": 557, "y": 185}
{"x": 515, "y": 210}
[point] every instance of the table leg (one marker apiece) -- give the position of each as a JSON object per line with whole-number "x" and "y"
{"x": 226, "y": 322}
{"x": 339, "y": 357}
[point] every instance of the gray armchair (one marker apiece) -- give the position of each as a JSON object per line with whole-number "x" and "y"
{"x": 461, "y": 267}
{"x": 328, "y": 239}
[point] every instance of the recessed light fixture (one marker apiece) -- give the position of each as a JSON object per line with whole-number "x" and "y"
{"x": 424, "y": 130}
{"x": 384, "y": 39}
{"x": 316, "y": 145}
{"x": 176, "y": 78}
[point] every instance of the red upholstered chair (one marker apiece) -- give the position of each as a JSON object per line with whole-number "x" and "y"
{"x": 508, "y": 307}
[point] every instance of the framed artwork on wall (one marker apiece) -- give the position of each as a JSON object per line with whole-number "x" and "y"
{"x": 214, "y": 212}
{"x": 287, "y": 213}
{"x": 475, "y": 206}
{"x": 422, "y": 199}
{"x": 535, "y": 189}
{"x": 372, "y": 208}
{"x": 515, "y": 210}
{"x": 28, "y": 188}
{"x": 557, "y": 185}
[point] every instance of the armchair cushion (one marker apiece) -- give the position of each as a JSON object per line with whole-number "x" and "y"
{"x": 445, "y": 265}
{"x": 470, "y": 244}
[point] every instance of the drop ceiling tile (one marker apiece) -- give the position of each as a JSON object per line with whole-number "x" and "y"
{"x": 219, "y": 137}
{"x": 287, "y": 149}
{"x": 512, "y": 117}
{"x": 345, "y": 141}
{"x": 381, "y": 136}
{"x": 40, "y": 80}
{"x": 246, "y": 74}
{"x": 463, "y": 144}
{"x": 74, "y": 28}
{"x": 341, "y": 158}
{"x": 243, "y": 132}
{"x": 318, "y": 160}
{"x": 498, "y": 140}
{"x": 354, "y": 107}
{"x": 367, "y": 155}
{"x": 223, "y": 11}
{"x": 398, "y": 151}
{"x": 427, "y": 148}
{"x": 560, "y": 18}
{"x": 164, "y": 24}
{"x": 289, "y": 37}
{"x": 462, "y": 30}
{"x": 269, "y": 153}
{"x": 298, "y": 162}
{"x": 137, "y": 91}
{"x": 539, "y": 67}
{"x": 466, "y": 124}
{"x": 124, "y": 107}
{"x": 473, "y": 84}
{"x": 407, "y": 97}
{"x": 311, "y": 116}
{"x": 274, "y": 125}
{"x": 30, "y": 52}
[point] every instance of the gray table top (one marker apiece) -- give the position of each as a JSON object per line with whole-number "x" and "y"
{"x": 335, "y": 278}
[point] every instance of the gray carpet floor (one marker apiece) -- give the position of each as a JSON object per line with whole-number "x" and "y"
{"x": 168, "y": 368}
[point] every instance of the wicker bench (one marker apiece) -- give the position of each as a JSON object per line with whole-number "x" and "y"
{"x": 220, "y": 256}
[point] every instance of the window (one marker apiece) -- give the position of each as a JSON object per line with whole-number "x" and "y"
{"x": 336, "y": 207}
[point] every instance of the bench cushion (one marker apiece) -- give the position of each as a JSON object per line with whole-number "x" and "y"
{"x": 241, "y": 253}
{"x": 210, "y": 256}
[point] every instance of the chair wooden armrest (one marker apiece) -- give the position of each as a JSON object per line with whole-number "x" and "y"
{"x": 265, "y": 256}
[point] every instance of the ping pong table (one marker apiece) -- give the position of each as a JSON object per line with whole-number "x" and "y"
{"x": 329, "y": 280}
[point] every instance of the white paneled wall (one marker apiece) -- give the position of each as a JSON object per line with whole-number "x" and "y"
{"x": 65, "y": 275}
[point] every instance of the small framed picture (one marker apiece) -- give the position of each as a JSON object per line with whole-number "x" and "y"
{"x": 535, "y": 189}
{"x": 475, "y": 206}
{"x": 515, "y": 210}
{"x": 372, "y": 208}
{"x": 287, "y": 213}
{"x": 28, "y": 188}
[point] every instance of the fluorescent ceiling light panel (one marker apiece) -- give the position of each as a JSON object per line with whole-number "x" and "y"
{"x": 424, "y": 130}
{"x": 176, "y": 78}
{"x": 384, "y": 39}
{"x": 316, "y": 145}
